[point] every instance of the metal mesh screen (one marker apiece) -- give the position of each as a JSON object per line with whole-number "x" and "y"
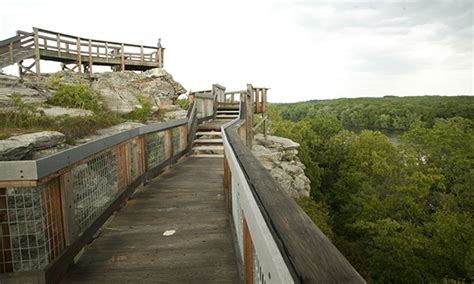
{"x": 155, "y": 149}
{"x": 31, "y": 226}
{"x": 175, "y": 140}
{"x": 95, "y": 187}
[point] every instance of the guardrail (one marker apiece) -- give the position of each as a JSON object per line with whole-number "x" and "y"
{"x": 93, "y": 49}
{"x": 81, "y": 51}
{"x": 50, "y": 208}
{"x": 277, "y": 242}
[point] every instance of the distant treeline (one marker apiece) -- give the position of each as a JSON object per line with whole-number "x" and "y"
{"x": 389, "y": 113}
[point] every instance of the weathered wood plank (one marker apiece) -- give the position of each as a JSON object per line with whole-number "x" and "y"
{"x": 131, "y": 248}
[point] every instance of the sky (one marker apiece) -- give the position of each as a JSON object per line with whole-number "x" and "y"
{"x": 301, "y": 49}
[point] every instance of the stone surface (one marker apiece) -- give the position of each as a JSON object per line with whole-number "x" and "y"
{"x": 29, "y": 93}
{"x": 120, "y": 91}
{"x": 18, "y": 147}
{"x": 55, "y": 111}
{"x": 279, "y": 156}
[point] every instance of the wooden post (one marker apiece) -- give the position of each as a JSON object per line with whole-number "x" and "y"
{"x": 11, "y": 52}
{"x": 160, "y": 57}
{"x": 79, "y": 57}
{"x": 68, "y": 208}
{"x": 142, "y": 59}
{"x": 168, "y": 144}
{"x": 249, "y": 116}
{"x": 248, "y": 254}
{"x": 37, "y": 52}
{"x": 58, "y": 43}
{"x": 257, "y": 100}
{"x": 265, "y": 126}
{"x": 122, "y": 59}
{"x": 106, "y": 52}
{"x": 90, "y": 57}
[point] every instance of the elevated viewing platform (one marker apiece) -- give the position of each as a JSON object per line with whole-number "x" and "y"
{"x": 184, "y": 201}
{"x": 76, "y": 53}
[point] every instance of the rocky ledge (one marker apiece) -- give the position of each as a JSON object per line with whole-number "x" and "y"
{"x": 279, "y": 156}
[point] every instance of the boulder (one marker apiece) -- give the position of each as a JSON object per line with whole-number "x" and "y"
{"x": 279, "y": 156}
{"x": 18, "y": 147}
{"x": 110, "y": 131}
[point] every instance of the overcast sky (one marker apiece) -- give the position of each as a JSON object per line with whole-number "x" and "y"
{"x": 302, "y": 50}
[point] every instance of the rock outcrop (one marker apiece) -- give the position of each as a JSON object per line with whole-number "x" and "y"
{"x": 279, "y": 156}
{"x": 30, "y": 93}
{"x": 120, "y": 92}
{"x": 19, "y": 147}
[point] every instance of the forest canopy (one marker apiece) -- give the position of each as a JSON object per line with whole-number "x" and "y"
{"x": 400, "y": 213}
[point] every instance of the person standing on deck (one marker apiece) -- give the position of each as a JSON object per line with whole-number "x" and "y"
{"x": 158, "y": 44}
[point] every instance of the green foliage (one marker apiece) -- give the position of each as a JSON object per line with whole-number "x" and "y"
{"x": 183, "y": 103}
{"x": 20, "y": 117}
{"x": 142, "y": 113}
{"x": 78, "y": 95}
{"x": 399, "y": 213}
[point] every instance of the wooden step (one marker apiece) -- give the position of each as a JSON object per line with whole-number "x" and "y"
{"x": 234, "y": 112}
{"x": 208, "y": 148}
{"x": 208, "y": 133}
{"x": 207, "y": 155}
{"x": 230, "y": 116}
{"x": 208, "y": 141}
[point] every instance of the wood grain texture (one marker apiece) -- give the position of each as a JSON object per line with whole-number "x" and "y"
{"x": 188, "y": 198}
{"x": 308, "y": 253}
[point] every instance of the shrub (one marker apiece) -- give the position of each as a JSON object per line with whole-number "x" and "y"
{"x": 78, "y": 95}
{"x": 183, "y": 103}
{"x": 141, "y": 114}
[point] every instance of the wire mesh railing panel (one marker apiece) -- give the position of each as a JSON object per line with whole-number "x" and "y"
{"x": 175, "y": 140}
{"x": 31, "y": 226}
{"x": 95, "y": 187}
{"x": 155, "y": 149}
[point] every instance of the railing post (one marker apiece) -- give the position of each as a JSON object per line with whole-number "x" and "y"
{"x": 160, "y": 53}
{"x": 106, "y": 52}
{"x": 79, "y": 57}
{"x": 11, "y": 52}
{"x": 90, "y": 57}
{"x": 122, "y": 58}
{"x": 142, "y": 59}
{"x": 249, "y": 116}
{"x": 68, "y": 208}
{"x": 37, "y": 52}
{"x": 58, "y": 44}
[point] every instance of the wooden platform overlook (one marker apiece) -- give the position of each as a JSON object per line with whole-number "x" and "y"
{"x": 76, "y": 53}
{"x": 101, "y": 212}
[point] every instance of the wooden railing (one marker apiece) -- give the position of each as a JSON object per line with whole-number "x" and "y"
{"x": 61, "y": 43}
{"x": 68, "y": 48}
{"x": 277, "y": 242}
{"x": 51, "y": 207}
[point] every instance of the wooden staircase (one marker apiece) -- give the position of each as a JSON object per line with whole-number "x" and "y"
{"x": 208, "y": 139}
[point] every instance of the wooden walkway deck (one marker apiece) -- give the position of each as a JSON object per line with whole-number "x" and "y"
{"x": 188, "y": 198}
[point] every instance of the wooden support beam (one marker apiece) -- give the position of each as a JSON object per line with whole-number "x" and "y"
{"x": 37, "y": 52}
{"x": 106, "y": 52}
{"x": 122, "y": 59}
{"x": 142, "y": 59}
{"x": 90, "y": 57}
{"x": 58, "y": 43}
{"x": 249, "y": 116}
{"x": 79, "y": 56}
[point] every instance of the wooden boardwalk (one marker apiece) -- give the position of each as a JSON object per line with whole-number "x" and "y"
{"x": 189, "y": 198}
